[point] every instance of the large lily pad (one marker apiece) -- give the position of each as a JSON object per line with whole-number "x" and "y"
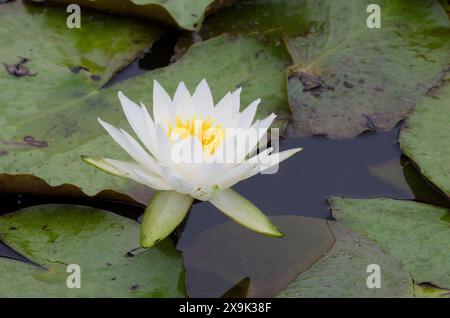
{"x": 348, "y": 78}
{"x": 425, "y": 138}
{"x": 342, "y": 272}
{"x": 70, "y": 129}
{"x": 100, "y": 242}
{"x": 227, "y": 254}
{"x": 184, "y": 14}
{"x": 48, "y": 66}
{"x": 417, "y": 234}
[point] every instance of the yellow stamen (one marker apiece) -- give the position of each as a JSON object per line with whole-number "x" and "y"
{"x": 209, "y": 134}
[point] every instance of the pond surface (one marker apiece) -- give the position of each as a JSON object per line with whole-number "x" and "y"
{"x": 370, "y": 165}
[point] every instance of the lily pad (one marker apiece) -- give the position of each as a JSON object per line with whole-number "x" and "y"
{"x": 181, "y": 13}
{"x": 228, "y": 255}
{"x": 346, "y": 77}
{"x": 342, "y": 272}
{"x": 417, "y": 234}
{"x": 425, "y": 138}
{"x": 99, "y": 242}
{"x": 70, "y": 128}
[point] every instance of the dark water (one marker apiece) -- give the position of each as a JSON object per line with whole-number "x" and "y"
{"x": 370, "y": 165}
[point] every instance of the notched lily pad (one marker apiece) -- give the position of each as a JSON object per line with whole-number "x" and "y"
{"x": 347, "y": 78}
{"x": 55, "y": 236}
{"x": 417, "y": 234}
{"x": 228, "y": 256}
{"x": 342, "y": 272}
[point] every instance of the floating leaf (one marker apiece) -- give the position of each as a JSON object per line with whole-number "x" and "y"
{"x": 62, "y": 65}
{"x": 426, "y": 138}
{"x": 342, "y": 272}
{"x": 70, "y": 128}
{"x": 100, "y": 242}
{"x": 228, "y": 255}
{"x": 417, "y": 234}
{"x": 185, "y": 14}
{"x": 348, "y": 78}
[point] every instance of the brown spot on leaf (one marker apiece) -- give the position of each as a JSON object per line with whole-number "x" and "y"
{"x": 77, "y": 69}
{"x": 29, "y": 140}
{"x": 19, "y": 69}
{"x": 134, "y": 287}
{"x": 3, "y": 152}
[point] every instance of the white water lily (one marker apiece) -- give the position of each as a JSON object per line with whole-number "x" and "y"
{"x": 194, "y": 122}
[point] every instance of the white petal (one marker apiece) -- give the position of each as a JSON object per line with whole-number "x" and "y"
{"x": 131, "y": 146}
{"x": 243, "y": 171}
{"x": 273, "y": 160}
{"x": 223, "y": 112}
{"x": 261, "y": 127}
{"x": 134, "y": 116}
{"x": 182, "y": 101}
{"x": 236, "y": 174}
{"x": 163, "y": 109}
{"x": 163, "y": 147}
{"x": 129, "y": 170}
{"x": 244, "y": 212}
{"x": 148, "y": 122}
{"x": 236, "y": 95}
{"x": 203, "y": 99}
{"x": 177, "y": 180}
{"x": 247, "y": 116}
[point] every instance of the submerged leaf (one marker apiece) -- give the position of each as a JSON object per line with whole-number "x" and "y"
{"x": 228, "y": 254}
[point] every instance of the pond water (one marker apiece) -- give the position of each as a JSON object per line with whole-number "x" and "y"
{"x": 370, "y": 165}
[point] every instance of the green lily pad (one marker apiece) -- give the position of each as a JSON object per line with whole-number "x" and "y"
{"x": 417, "y": 234}
{"x": 255, "y": 63}
{"x": 100, "y": 242}
{"x": 347, "y": 78}
{"x": 48, "y": 66}
{"x": 342, "y": 272}
{"x": 425, "y": 138}
{"x": 181, "y": 13}
{"x": 227, "y": 256}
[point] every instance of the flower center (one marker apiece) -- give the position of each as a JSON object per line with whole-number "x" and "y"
{"x": 208, "y": 133}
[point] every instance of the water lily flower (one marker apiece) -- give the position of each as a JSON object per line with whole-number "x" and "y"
{"x": 194, "y": 123}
